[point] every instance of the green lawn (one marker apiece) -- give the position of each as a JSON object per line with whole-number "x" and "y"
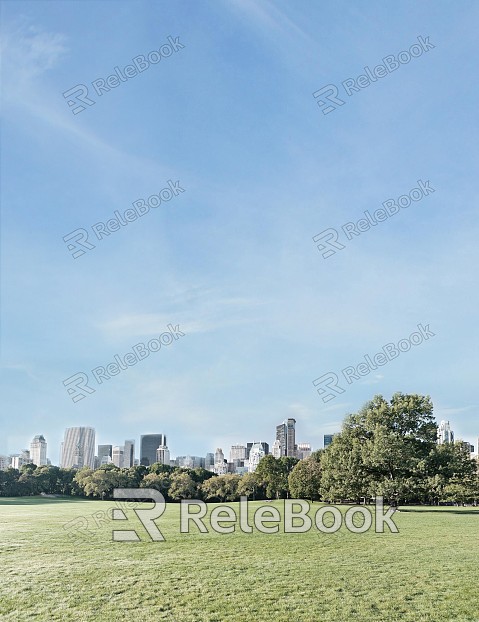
{"x": 427, "y": 572}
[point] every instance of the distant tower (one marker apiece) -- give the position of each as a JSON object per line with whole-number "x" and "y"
{"x": 105, "y": 453}
{"x": 444, "y": 433}
{"x": 117, "y": 456}
{"x": 276, "y": 449}
{"x": 163, "y": 455}
{"x": 286, "y": 435}
{"x": 129, "y": 454}
{"x": 38, "y": 450}
{"x": 328, "y": 439}
{"x": 149, "y": 443}
{"x": 257, "y": 452}
{"x": 78, "y": 448}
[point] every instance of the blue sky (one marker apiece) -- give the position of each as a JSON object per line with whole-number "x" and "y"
{"x": 231, "y": 260}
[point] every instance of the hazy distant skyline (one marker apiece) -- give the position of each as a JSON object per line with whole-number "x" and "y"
{"x": 232, "y": 117}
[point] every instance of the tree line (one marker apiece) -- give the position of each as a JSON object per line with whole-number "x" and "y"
{"x": 386, "y": 449}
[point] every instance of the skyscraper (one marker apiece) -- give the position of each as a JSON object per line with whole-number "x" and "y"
{"x": 129, "y": 454}
{"x": 249, "y": 446}
{"x": 105, "y": 453}
{"x": 149, "y": 443}
{"x": 276, "y": 449}
{"x": 286, "y": 435}
{"x": 237, "y": 452}
{"x": 255, "y": 455}
{"x": 328, "y": 439}
{"x": 78, "y": 448}
{"x": 117, "y": 456}
{"x": 38, "y": 450}
{"x": 444, "y": 433}
{"x": 303, "y": 451}
{"x": 163, "y": 455}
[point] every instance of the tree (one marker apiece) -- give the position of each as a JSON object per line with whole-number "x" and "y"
{"x": 305, "y": 479}
{"x": 182, "y": 486}
{"x": 160, "y": 482}
{"x": 273, "y": 474}
{"x": 221, "y": 488}
{"x": 250, "y": 486}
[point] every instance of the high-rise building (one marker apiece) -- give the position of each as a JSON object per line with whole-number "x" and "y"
{"x": 149, "y": 443}
{"x": 78, "y": 448}
{"x": 117, "y": 456}
{"x": 4, "y": 462}
{"x": 255, "y": 455}
{"x": 276, "y": 449}
{"x": 303, "y": 451}
{"x": 163, "y": 455}
{"x": 444, "y": 433}
{"x": 210, "y": 461}
{"x": 221, "y": 466}
{"x": 38, "y": 450}
{"x": 129, "y": 454}
{"x": 237, "y": 452}
{"x": 18, "y": 460}
{"x": 264, "y": 445}
{"x": 105, "y": 454}
{"x": 327, "y": 440}
{"x": 286, "y": 435}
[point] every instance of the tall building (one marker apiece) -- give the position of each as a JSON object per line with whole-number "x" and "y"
{"x": 149, "y": 443}
{"x": 286, "y": 435}
{"x": 249, "y": 446}
{"x": 163, "y": 455}
{"x": 237, "y": 452}
{"x": 117, "y": 456}
{"x": 303, "y": 451}
{"x": 38, "y": 450}
{"x": 255, "y": 455}
{"x": 78, "y": 449}
{"x": 444, "y": 433}
{"x": 210, "y": 461}
{"x": 18, "y": 460}
{"x": 105, "y": 454}
{"x": 129, "y": 454}
{"x": 276, "y": 449}
{"x": 4, "y": 462}
{"x": 327, "y": 440}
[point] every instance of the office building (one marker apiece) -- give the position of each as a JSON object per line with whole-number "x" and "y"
{"x": 129, "y": 454}
{"x": 210, "y": 461}
{"x": 105, "y": 453}
{"x": 18, "y": 460}
{"x": 303, "y": 451}
{"x": 255, "y": 455}
{"x": 149, "y": 443}
{"x": 4, "y": 462}
{"x": 327, "y": 440}
{"x": 38, "y": 450}
{"x": 78, "y": 448}
{"x": 444, "y": 433}
{"x": 286, "y": 435}
{"x": 276, "y": 449}
{"x": 163, "y": 455}
{"x": 265, "y": 447}
{"x": 237, "y": 452}
{"x": 117, "y": 456}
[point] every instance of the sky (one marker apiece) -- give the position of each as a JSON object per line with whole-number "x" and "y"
{"x": 260, "y": 168}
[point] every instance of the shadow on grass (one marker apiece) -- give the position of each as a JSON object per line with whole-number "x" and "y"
{"x": 42, "y": 500}
{"x": 441, "y": 510}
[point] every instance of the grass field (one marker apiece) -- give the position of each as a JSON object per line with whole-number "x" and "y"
{"x": 427, "y": 572}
